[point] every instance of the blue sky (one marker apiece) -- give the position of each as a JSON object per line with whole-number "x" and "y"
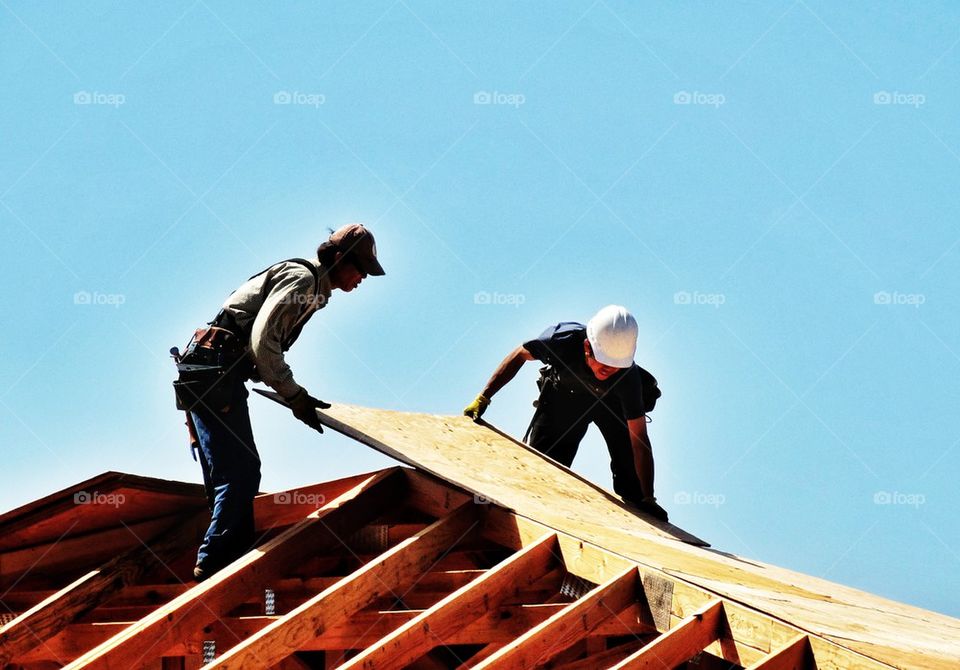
{"x": 769, "y": 187}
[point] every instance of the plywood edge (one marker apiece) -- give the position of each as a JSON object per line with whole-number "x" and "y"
{"x": 666, "y": 527}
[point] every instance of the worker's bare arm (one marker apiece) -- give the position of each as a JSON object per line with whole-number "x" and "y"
{"x": 643, "y": 461}
{"x": 642, "y": 453}
{"x": 507, "y": 370}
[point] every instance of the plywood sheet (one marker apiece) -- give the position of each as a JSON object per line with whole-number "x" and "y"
{"x": 497, "y": 468}
{"x": 490, "y": 464}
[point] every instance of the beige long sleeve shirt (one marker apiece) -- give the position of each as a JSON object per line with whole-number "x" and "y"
{"x": 271, "y": 307}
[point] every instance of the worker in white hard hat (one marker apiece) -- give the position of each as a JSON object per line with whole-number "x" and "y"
{"x": 589, "y": 377}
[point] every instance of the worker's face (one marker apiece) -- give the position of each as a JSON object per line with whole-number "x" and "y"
{"x": 346, "y": 275}
{"x": 599, "y": 370}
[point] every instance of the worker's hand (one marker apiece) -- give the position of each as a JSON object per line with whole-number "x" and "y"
{"x": 476, "y": 409}
{"x": 305, "y": 406}
{"x": 651, "y": 507}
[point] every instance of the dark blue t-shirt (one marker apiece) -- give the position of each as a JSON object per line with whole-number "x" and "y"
{"x": 561, "y": 347}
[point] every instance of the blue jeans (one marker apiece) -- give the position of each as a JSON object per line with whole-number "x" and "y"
{"x": 231, "y": 474}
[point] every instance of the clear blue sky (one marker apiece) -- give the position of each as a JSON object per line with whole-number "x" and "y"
{"x": 771, "y": 187}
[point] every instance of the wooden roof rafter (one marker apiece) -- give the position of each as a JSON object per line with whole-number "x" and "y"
{"x": 618, "y": 604}
{"x": 393, "y": 571}
{"x": 228, "y": 587}
{"x": 401, "y": 568}
{"x": 412, "y": 640}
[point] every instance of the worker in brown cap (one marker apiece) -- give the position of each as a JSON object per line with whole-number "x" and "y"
{"x": 247, "y": 340}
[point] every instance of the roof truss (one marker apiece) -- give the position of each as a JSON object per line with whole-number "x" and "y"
{"x": 393, "y": 569}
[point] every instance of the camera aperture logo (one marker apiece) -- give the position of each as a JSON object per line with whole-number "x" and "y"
{"x": 315, "y": 500}
{"x": 97, "y": 498}
{"x": 299, "y": 98}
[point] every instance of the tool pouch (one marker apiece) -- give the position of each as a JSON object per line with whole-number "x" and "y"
{"x": 212, "y": 364}
{"x": 549, "y": 381}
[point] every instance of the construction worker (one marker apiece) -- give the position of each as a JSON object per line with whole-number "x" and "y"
{"x": 589, "y": 377}
{"x": 265, "y": 316}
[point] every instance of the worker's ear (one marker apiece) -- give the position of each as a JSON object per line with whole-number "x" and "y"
{"x": 340, "y": 259}
{"x": 586, "y": 348}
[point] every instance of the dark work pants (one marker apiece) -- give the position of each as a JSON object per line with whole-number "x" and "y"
{"x": 561, "y": 421}
{"x": 231, "y": 473}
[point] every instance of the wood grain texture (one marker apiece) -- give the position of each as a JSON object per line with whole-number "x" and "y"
{"x": 140, "y": 498}
{"x": 393, "y": 573}
{"x": 497, "y": 468}
{"x": 574, "y": 622}
{"x": 680, "y": 644}
{"x": 475, "y": 600}
{"x": 795, "y": 655}
{"x": 47, "y": 618}
{"x": 216, "y": 596}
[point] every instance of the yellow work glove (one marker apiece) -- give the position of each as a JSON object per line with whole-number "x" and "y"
{"x": 476, "y": 409}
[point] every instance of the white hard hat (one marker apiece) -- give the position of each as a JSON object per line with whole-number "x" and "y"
{"x": 612, "y": 333}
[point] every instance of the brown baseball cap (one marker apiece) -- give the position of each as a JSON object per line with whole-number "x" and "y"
{"x": 355, "y": 240}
